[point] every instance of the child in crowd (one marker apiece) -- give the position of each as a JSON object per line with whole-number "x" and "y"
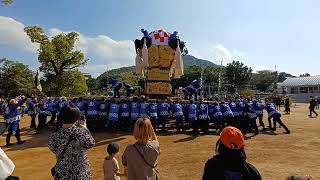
{"x": 111, "y": 168}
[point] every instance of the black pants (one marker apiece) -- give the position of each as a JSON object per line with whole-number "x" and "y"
{"x": 116, "y": 91}
{"x": 33, "y": 121}
{"x": 52, "y": 119}
{"x": 41, "y": 122}
{"x": 204, "y": 126}
{"x": 253, "y": 125}
{"x": 154, "y": 121}
{"x": 98, "y": 123}
{"x": 186, "y": 95}
{"x": 193, "y": 92}
{"x": 244, "y": 125}
{"x": 113, "y": 125}
{"x": 277, "y": 119}
{"x": 287, "y": 109}
{"x": 312, "y": 111}
{"x": 59, "y": 123}
{"x": 10, "y": 132}
{"x": 125, "y": 123}
{"x": 269, "y": 121}
{"x": 228, "y": 120}
{"x": 235, "y": 121}
{"x": 248, "y": 124}
{"x": 179, "y": 123}
{"x": 260, "y": 117}
{"x": 218, "y": 123}
{"x": 92, "y": 123}
{"x": 163, "y": 122}
{"x": 129, "y": 92}
{"x": 195, "y": 127}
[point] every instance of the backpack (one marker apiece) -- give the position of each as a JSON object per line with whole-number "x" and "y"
{"x": 242, "y": 174}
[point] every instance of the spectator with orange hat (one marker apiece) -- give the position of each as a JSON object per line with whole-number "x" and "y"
{"x": 230, "y": 159}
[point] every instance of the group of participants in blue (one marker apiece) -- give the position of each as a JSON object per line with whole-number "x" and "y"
{"x": 122, "y": 114}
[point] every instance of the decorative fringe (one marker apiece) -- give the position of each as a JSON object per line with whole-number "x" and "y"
{"x": 179, "y": 62}
{"x": 145, "y": 54}
{"x": 139, "y": 64}
{"x": 172, "y": 68}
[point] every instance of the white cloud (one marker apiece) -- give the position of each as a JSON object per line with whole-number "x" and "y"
{"x": 104, "y": 50}
{"x": 217, "y": 53}
{"x": 12, "y": 33}
{"x": 221, "y": 53}
{"x": 260, "y": 67}
{"x": 96, "y": 69}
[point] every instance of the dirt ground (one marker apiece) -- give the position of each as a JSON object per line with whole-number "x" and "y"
{"x": 275, "y": 155}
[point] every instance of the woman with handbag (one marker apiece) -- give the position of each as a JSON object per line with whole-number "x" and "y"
{"x": 141, "y": 158}
{"x": 70, "y": 144}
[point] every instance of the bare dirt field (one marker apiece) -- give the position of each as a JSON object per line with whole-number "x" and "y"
{"x": 275, "y": 155}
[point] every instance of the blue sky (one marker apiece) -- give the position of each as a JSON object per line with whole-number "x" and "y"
{"x": 261, "y": 34}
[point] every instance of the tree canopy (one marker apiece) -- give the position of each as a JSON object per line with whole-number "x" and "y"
{"x": 7, "y": 2}
{"x": 210, "y": 76}
{"x": 283, "y": 76}
{"x": 15, "y": 78}
{"x": 262, "y": 80}
{"x": 74, "y": 83}
{"x": 304, "y": 75}
{"x": 56, "y": 56}
{"x": 237, "y": 74}
{"x": 93, "y": 85}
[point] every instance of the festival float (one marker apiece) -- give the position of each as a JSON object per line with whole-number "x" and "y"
{"x": 159, "y": 59}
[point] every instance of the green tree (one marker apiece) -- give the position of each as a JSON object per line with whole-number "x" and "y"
{"x": 304, "y": 75}
{"x": 93, "y": 84}
{"x": 74, "y": 84}
{"x": 124, "y": 74}
{"x": 283, "y": 76}
{"x": 15, "y": 78}
{"x": 191, "y": 73}
{"x": 237, "y": 75}
{"x": 56, "y": 55}
{"x": 7, "y": 2}
{"x": 262, "y": 80}
{"x": 210, "y": 77}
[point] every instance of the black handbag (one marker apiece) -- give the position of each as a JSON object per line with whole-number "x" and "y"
{"x": 53, "y": 170}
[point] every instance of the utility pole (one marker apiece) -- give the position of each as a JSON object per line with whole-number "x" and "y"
{"x": 220, "y": 83}
{"x": 201, "y": 81}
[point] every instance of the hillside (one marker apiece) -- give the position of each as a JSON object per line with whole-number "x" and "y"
{"x": 189, "y": 60}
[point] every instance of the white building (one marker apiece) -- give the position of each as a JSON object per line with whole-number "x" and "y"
{"x": 301, "y": 88}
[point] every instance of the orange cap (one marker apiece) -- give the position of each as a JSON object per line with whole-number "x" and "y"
{"x": 232, "y": 137}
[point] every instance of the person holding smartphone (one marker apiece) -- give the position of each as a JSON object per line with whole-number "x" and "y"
{"x": 70, "y": 144}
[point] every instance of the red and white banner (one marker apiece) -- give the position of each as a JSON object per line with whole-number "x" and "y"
{"x": 159, "y": 37}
